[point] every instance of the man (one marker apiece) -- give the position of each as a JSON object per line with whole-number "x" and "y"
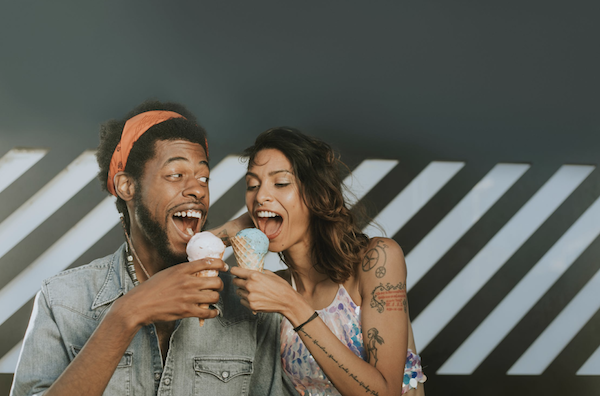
{"x": 128, "y": 323}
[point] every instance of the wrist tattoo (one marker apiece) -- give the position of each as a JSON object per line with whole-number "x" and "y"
{"x": 341, "y": 366}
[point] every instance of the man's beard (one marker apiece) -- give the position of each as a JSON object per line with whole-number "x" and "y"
{"x": 156, "y": 234}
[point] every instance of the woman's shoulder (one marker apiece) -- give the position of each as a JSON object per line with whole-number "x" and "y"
{"x": 379, "y": 246}
{"x": 383, "y": 259}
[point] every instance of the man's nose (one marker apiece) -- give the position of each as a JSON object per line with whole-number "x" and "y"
{"x": 196, "y": 189}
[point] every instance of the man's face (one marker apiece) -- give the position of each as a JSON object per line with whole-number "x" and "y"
{"x": 172, "y": 199}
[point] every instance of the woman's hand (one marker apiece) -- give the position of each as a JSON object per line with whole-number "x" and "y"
{"x": 267, "y": 292}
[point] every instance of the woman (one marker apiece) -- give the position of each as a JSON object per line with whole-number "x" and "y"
{"x": 346, "y": 328}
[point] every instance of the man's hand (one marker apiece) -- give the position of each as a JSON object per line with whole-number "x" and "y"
{"x": 172, "y": 294}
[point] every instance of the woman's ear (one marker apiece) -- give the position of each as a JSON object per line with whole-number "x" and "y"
{"x": 124, "y": 186}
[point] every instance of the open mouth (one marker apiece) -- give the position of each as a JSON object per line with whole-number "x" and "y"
{"x": 269, "y": 223}
{"x": 187, "y": 221}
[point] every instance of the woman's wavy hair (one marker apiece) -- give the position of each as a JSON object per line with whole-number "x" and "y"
{"x": 337, "y": 241}
{"x": 143, "y": 149}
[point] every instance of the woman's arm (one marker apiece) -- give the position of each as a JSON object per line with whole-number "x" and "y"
{"x": 232, "y": 227}
{"x": 384, "y": 322}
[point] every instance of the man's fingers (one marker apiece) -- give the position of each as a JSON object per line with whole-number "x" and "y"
{"x": 206, "y": 264}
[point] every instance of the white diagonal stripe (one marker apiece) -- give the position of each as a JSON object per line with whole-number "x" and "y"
{"x": 561, "y": 331}
{"x": 592, "y": 365}
{"x": 225, "y": 175}
{"x": 16, "y": 162}
{"x": 496, "y": 252}
{"x": 8, "y": 363}
{"x": 365, "y": 177}
{"x": 418, "y": 192}
{"x": 59, "y": 256}
{"x": 47, "y": 200}
{"x": 460, "y": 219}
{"x": 525, "y": 294}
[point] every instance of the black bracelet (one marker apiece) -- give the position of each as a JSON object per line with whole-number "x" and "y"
{"x": 297, "y": 329}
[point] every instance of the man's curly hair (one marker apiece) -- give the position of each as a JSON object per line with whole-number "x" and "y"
{"x": 337, "y": 240}
{"x": 144, "y": 148}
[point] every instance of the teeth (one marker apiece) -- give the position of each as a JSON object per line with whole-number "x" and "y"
{"x": 189, "y": 213}
{"x": 264, "y": 213}
{"x": 190, "y": 231}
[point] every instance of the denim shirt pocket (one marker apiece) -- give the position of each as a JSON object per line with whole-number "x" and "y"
{"x": 222, "y": 375}
{"x": 120, "y": 382}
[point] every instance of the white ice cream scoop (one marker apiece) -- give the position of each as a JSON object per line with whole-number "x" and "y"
{"x": 202, "y": 245}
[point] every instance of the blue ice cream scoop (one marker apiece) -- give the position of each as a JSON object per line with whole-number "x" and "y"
{"x": 257, "y": 240}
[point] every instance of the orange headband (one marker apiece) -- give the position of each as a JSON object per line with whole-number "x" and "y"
{"x": 133, "y": 129}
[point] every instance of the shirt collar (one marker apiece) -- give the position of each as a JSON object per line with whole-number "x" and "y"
{"x": 117, "y": 281}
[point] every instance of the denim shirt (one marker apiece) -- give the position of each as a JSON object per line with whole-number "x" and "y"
{"x": 236, "y": 353}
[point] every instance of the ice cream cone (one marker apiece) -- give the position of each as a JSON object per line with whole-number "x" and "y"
{"x": 205, "y": 244}
{"x": 245, "y": 255}
{"x": 250, "y": 246}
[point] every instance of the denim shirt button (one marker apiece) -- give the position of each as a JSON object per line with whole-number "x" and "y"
{"x": 225, "y": 374}
{"x": 156, "y": 376}
{"x": 167, "y": 381}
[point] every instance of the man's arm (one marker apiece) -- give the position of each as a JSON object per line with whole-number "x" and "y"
{"x": 171, "y": 294}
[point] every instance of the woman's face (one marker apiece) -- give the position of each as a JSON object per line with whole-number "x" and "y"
{"x": 274, "y": 203}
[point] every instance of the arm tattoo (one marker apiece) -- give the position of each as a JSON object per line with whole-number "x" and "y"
{"x": 341, "y": 366}
{"x": 374, "y": 257}
{"x": 389, "y": 297}
{"x": 374, "y": 339}
{"x": 223, "y": 235}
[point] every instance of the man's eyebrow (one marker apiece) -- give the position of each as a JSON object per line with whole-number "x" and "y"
{"x": 174, "y": 159}
{"x": 272, "y": 173}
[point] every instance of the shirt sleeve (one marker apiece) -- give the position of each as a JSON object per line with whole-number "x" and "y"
{"x": 268, "y": 377}
{"x": 43, "y": 356}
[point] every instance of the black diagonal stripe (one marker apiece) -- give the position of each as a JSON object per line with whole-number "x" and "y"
{"x": 389, "y": 187}
{"x": 228, "y": 205}
{"x": 440, "y": 205}
{"x": 544, "y": 312}
{"x": 13, "y": 330}
{"x": 556, "y": 298}
{"x": 476, "y": 238}
{"x": 35, "y": 178}
{"x": 578, "y": 351}
{"x": 40, "y": 239}
{"x": 498, "y": 384}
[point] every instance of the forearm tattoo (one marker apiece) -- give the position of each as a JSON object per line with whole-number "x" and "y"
{"x": 223, "y": 235}
{"x": 389, "y": 297}
{"x": 374, "y": 339}
{"x": 341, "y": 366}
{"x": 376, "y": 257}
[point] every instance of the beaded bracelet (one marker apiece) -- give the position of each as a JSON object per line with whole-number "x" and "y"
{"x": 297, "y": 329}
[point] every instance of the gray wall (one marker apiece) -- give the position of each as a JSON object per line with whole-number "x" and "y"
{"x": 479, "y": 83}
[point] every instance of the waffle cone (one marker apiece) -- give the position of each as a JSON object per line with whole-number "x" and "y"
{"x": 207, "y": 274}
{"x": 245, "y": 256}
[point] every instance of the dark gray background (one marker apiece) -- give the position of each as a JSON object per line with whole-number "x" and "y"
{"x": 481, "y": 82}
